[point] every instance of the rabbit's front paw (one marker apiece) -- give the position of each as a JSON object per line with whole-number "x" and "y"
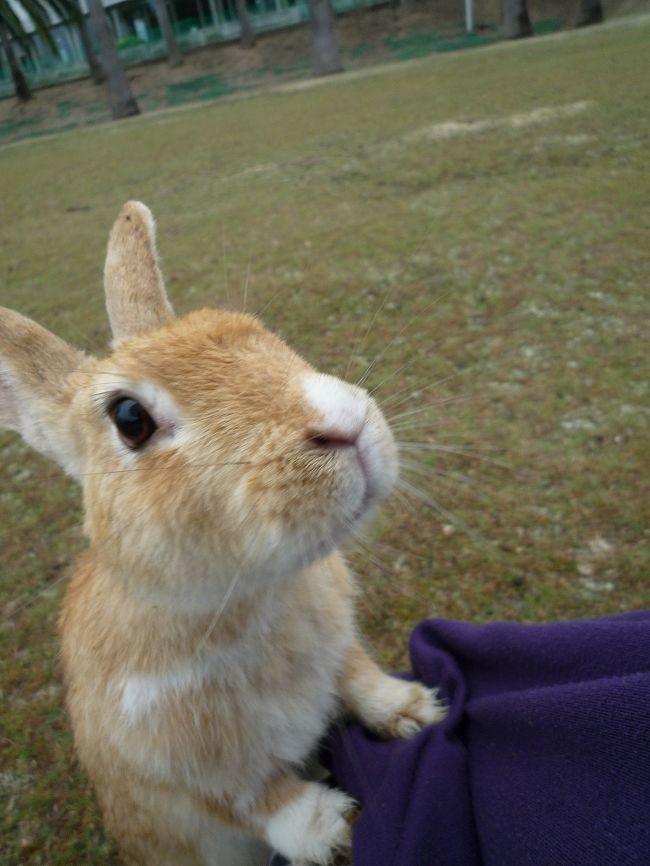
{"x": 315, "y": 829}
{"x": 401, "y": 709}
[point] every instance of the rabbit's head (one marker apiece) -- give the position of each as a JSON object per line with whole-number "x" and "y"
{"x": 206, "y": 447}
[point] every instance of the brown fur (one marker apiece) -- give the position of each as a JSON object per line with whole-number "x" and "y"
{"x": 208, "y": 633}
{"x": 136, "y": 299}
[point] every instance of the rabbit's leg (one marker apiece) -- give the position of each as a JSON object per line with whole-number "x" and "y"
{"x": 308, "y": 823}
{"x": 388, "y": 706}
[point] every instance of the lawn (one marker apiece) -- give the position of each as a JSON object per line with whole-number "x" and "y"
{"x": 467, "y": 232}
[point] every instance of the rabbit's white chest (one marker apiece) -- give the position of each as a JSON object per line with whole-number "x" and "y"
{"x": 274, "y": 698}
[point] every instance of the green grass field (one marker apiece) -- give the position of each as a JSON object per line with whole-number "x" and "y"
{"x": 472, "y": 228}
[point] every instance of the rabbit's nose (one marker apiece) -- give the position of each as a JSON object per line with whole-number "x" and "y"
{"x": 340, "y": 411}
{"x": 332, "y": 440}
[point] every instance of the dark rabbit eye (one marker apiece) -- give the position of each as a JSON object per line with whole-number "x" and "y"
{"x": 135, "y": 425}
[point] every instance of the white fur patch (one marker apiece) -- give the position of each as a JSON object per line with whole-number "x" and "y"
{"x": 287, "y": 724}
{"x": 312, "y": 828}
{"x": 142, "y": 694}
{"x": 342, "y": 408}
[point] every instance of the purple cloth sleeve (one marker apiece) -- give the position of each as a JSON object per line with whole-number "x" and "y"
{"x": 544, "y": 759}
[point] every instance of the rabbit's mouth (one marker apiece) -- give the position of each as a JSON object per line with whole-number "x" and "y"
{"x": 375, "y": 476}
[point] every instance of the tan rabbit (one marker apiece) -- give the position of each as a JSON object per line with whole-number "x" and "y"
{"x": 208, "y": 633}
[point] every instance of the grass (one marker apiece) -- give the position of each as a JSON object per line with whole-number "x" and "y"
{"x": 17, "y": 128}
{"x": 505, "y": 260}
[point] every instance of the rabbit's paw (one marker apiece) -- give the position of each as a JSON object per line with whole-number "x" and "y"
{"x": 397, "y": 708}
{"x": 314, "y": 829}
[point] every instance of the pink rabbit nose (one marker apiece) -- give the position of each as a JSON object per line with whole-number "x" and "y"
{"x": 333, "y": 440}
{"x": 340, "y": 408}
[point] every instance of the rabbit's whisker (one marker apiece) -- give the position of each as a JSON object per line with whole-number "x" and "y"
{"x": 416, "y": 493}
{"x": 415, "y": 423}
{"x": 360, "y": 543}
{"x": 246, "y": 284}
{"x": 224, "y": 263}
{"x": 34, "y": 597}
{"x": 362, "y": 345}
{"x": 270, "y": 300}
{"x": 399, "y": 498}
{"x": 378, "y": 357}
{"x": 219, "y": 611}
{"x": 460, "y": 451}
{"x": 438, "y": 475}
{"x": 433, "y": 405}
{"x": 400, "y": 369}
{"x": 410, "y": 392}
{"x": 415, "y": 318}
{"x": 150, "y": 469}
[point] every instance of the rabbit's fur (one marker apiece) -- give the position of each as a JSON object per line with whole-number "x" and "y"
{"x": 208, "y": 634}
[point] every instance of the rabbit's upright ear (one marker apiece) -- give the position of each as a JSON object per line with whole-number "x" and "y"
{"x": 135, "y": 292}
{"x": 36, "y": 389}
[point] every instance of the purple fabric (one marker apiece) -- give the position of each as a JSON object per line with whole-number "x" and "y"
{"x": 543, "y": 760}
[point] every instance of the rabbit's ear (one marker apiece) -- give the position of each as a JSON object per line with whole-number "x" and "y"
{"x": 35, "y": 388}
{"x": 135, "y": 292}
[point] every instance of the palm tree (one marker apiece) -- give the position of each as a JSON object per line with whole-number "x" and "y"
{"x": 11, "y": 27}
{"x": 162, "y": 13}
{"x": 516, "y": 22}
{"x": 21, "y": 86}
{"x": 247, "y": 36}
{"x": 123, "y": 102}
{"x": 94, "y": 66}
{"x": 589, "y": 12}
{"x": 325, "y": 49}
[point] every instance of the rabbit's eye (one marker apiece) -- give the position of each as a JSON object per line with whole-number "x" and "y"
{"x": 135, "y": 425}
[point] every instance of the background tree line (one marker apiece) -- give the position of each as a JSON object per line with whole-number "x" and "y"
{"x": 517, "y": 24}
{"x": 100, "y": 47}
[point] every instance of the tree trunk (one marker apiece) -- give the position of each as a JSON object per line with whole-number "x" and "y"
{"x": 20, "y": 82}
{"x": 516, "y": 22}
{"x": 95, "y": 67}
{"x": 122, "y": 100}
{"x": 325, "y": 49}
{"x": 589, "y": 12}
{"x": 162, "y": 13}
{"x": 247, "y": 38}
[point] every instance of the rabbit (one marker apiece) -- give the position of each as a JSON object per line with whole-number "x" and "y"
{"x": 208, "y": 635}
